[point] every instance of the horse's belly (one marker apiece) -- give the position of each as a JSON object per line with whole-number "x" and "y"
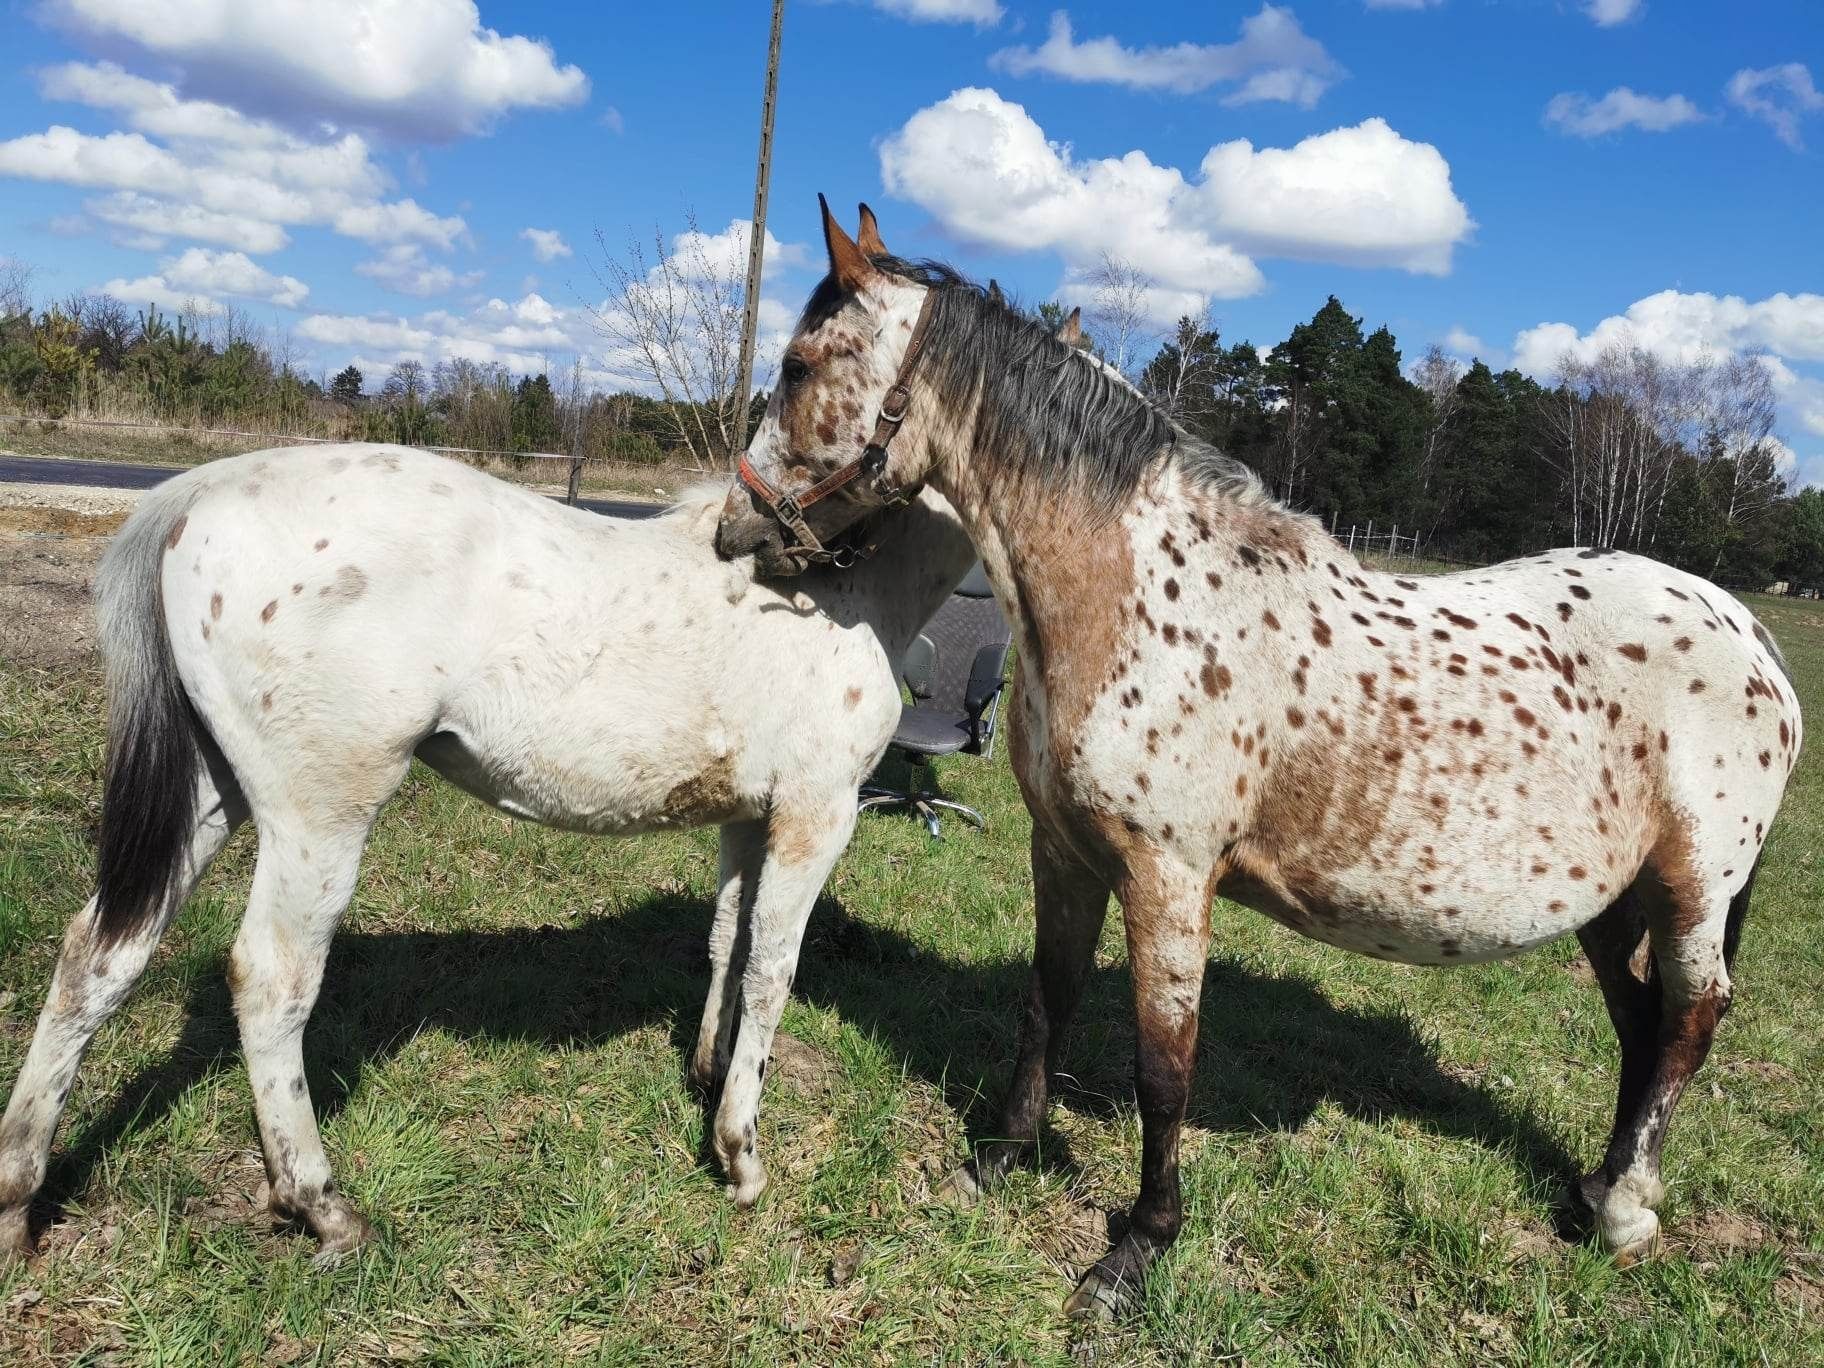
{"x": 1442, "y": 925}
{"x": 589, "y": 792}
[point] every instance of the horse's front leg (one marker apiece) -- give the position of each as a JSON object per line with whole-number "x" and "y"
{"x": 804, "y": 838}
{"x": 1070, "y": 903}
{"x": 743, "y": 848}
{"x": 1167, "y": 910}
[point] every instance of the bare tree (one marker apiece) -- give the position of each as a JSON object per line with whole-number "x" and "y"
{"x": 1118, "y": 308}
{"x": 1438, "y": 374}
{"x": 15, "y": 287}
{"x": 1183, "y": 378}
{"x": 674, "y": 319}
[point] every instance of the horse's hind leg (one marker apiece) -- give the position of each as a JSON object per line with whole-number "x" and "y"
{"x": 301, "y": 884}
{"x": 743, "y": 850}
{"x": 1665, "y": 1009}
{"x": 803, "y": 841}
{"x": 90, "y": 983}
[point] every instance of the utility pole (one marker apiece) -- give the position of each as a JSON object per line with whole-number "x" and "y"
{"x": 756, "y": 247}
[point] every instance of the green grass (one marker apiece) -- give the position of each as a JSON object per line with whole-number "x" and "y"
{"x": 1370, "y": 1167}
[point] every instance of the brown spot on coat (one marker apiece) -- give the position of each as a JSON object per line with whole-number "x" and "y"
{"x": 177, "y": 531}
{"x": 1633, "y": 651}
{"x": 267, "y": 612}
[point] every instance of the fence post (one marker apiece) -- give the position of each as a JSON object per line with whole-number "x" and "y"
{"x": 1352, "y": 539}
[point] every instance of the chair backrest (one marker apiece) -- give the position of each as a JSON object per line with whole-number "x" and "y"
{"x": 959, "y": 656}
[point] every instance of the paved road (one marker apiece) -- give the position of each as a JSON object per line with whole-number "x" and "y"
{"x": 114, "y": 475}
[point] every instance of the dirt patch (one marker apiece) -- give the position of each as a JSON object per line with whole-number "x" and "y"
{"x": 1578, "y": 967}
{"x": 803, "y": 1068}
{"x": 51, "y": 540}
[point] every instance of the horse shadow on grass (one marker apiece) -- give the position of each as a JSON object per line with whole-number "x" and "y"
{"x": 1272, "y": 1049}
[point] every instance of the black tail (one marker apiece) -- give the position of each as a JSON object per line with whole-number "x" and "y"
{"x": 148, "y": 813}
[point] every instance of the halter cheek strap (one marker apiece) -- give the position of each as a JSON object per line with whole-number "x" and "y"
{"x": 789, "y": 507}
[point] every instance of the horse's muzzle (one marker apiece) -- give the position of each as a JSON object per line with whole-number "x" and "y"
{"x": 745, "y": 530}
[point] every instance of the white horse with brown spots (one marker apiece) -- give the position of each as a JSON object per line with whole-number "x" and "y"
{"x": 1214, "y": 697}
{"x": 284, "y": 631}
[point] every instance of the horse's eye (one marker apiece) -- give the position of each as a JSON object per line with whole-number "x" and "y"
{"x": 794, "y": 370}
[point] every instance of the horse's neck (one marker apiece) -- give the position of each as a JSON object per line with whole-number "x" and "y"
{"x": 918, "y": 566}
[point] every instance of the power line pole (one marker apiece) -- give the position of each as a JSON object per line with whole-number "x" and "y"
{"x": 756, "y": 247}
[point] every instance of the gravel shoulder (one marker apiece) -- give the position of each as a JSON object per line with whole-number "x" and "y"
{"x": 51, "y": 540}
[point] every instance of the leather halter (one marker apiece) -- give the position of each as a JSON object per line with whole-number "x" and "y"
{"x": 789, "y": 507}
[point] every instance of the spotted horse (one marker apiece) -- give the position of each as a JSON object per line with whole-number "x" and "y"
{"x": 285, "y": 630}
{"x": 1215, "y": 698}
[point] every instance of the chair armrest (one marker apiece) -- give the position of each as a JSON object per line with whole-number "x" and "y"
{"x": 985, "y": 679}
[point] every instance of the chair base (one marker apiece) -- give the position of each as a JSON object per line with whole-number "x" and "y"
{"x": 922, "y": 805}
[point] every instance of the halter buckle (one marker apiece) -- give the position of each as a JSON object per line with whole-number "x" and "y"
{"x": 894, "y": 404}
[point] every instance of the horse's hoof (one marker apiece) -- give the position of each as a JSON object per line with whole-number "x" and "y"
{"x": 959, "y": 1188}
{"x": 15, "y": 1236}
{"x": 1632, "y": 1238}
{"x": 744, "y": 1192}
{"x": 339, "y": 1236}
{"x": 1097, "y": 1299}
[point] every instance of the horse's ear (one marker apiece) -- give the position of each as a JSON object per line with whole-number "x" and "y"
{"x": 994, "y": 291}
{"x": 1070, "y": 331}
{"x": 869, "y": 237}
{"x": 848, "y": 266}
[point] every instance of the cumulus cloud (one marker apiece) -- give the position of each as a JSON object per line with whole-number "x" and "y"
{"x": 214, "y": 173}
{"x": 429, "y": 69}
{"x": 532, "y": 333}
{"x": 723, "y": 255}
{"x": 404, "y": 269}
{"x": 1608, "y": 13}
{"x": 1459, "y": 341}
{"x": 1359, "y": 196}
{"x": 1780, "y": 96}
{"x": 981, "y": 13}
{"x": 159, "y": 219}
{"x": 1582, "y": 117}
{"x": 1675, "y": 326}
{"x": 1274, "y": 59}
{"x": 1684, "y": 327}
{"x": 547, "y": 243}
{"x": 201, "y": 275}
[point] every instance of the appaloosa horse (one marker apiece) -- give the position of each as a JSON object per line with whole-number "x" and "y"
{"x": 285, "y": 630}
{"x": 1214, "y": 697}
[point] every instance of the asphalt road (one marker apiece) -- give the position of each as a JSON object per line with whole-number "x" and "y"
{"x": 113, "y": 475}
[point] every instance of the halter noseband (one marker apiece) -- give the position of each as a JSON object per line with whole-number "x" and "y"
{"x": 789, "y": 508}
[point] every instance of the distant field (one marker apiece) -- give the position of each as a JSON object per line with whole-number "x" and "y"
{"x": 140, "y": 446}
{"x": 1370, "y": 1169}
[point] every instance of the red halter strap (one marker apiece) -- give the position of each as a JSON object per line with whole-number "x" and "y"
{"x": 789, "y": 508}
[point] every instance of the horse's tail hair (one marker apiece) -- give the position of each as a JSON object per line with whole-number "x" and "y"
{"x": 148, "y": 812}
{"x": 1773, "y": 649}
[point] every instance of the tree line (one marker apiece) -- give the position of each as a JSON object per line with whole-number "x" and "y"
{"x": 1674, "y": 460}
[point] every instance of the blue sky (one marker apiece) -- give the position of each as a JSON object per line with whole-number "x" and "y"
{"x": 1506, "y": 177}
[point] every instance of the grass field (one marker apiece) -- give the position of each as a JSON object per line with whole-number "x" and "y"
{"x": 1370, "y": 1170}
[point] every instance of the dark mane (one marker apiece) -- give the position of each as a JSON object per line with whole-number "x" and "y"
{"x": 1048, "y": 413}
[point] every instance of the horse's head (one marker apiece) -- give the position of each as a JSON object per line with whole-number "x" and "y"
{"x": 827, "y": 453}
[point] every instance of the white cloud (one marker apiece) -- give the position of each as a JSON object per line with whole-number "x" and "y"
{"x": 216, "y": 175}
{"x": 1608, "y": 13}
{"x": 202, "y": 274}
{"x": 427, "y": 69}
{"x": 1274, "y": 59}
{"x": 1676, "y": 326}
{"x": 1684, "y": 327}
{"x": 404, "y": 269}
{"x": 1402, "y": 4}
{"x": 981, "y": 13}
{"x": 129, "y": 209}
{"x": 527, "y": 334}
{"x": 155, "y": 289}
{"x": 547, "y": 243}
{"x": 1780, "y": 96}
{"x": 1459, "y": 341}
{"x": 1580, "y": 116}
{"x": 612, "y": 121}
{"x": 1359, "y": 196}
{"x": 723, "y": 255}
